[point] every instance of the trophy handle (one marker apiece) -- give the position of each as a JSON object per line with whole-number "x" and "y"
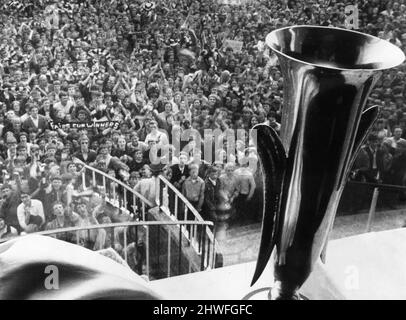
{"x": 272, "y": 156}
{"x": 368, "y": 118}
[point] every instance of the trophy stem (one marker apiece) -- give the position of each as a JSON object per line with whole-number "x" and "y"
{"x": 281, "y": 291}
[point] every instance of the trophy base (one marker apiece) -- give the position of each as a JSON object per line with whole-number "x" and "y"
{"x": 265, "y": 294}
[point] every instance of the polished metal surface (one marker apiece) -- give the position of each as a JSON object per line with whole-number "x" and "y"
{"x": 328, "y": 74}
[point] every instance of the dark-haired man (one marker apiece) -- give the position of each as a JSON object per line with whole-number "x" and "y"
{"x": 6, "y": 231}
{"x": 85, "y": 154}
{"x": 52, "y": 193}
{"x": 211, "y": 192}
{"x": 63, "y": 106}
{"x": 35, "y": 122}
{"x": 193, "y": 187}
{"x": 366, "y": 162}
{"x": 11, "y": 200}
{"x": 180, "y": 171}
{"x": 62, "y": 218}
{"x": 246, "y": 188}
{"x": 138, "y": 162}
{"x": 135, "y": 144}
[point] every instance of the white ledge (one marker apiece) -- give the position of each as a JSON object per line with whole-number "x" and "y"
{"x": 368, "y": 267}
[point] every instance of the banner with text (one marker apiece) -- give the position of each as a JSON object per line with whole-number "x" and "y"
{"x": 85, "y": 125}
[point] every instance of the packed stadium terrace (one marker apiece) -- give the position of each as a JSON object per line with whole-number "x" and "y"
{"x": 104, "y": 83}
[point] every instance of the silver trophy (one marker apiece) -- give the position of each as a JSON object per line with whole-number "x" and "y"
{"x": 328, "y": 74}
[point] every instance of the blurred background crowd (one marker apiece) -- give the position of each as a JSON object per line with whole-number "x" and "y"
{"x": 157, "y": 70}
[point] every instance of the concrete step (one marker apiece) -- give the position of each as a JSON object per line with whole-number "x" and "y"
{"x": 241, "y": 243}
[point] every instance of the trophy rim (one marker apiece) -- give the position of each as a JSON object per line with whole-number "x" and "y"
{"x": 398, "y": 57}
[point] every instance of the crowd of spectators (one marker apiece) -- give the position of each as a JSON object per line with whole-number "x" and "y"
{"x": 149, "y": 72}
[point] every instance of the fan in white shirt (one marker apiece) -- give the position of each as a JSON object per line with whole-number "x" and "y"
{"x": 397, "y": 137}
{"x": 156, "y": 135}
{"x": 30, "y": 213}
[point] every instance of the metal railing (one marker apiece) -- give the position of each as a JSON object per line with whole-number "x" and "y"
{"x": 153, "y": 248}
{"x": 158, "y": 249}
{"x": 377, "y": 188}
{"x": 173, "y": 202}
{"x": 118, "y": 194}
{"x": 167, "y": 197}
{"x": 175, "y": 205}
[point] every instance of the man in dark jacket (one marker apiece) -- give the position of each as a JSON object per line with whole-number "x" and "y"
{"x": 365, "y": 169}
{"x": 6, "y": 231}
{"x": 85, "y": 154}
{"x": 180, "y": 171}
{"x": 366, "y": 164}
{"x": 211, "y": 191}
{"x": 397, "y": 171}
{"x": 35, "y": 122}
{"x": 50, "y": 194}
{"x": 8, "y": 209}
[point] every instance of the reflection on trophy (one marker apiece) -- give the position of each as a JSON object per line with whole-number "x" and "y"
{"x": 328, "y": 74}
